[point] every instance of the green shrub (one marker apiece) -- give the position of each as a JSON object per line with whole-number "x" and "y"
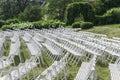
{"x": 21, "y": 26}
{"x": 112, "y": 16}
{"x": 48, "y": 24}
{"x": 74, "y": 9}
{"x": 76, "y": 25}
{"x": 12, "y": 21}
{"x": 38, "y": 25}
{"x": 2, "y": 22}
{"x": 31, "y": 13}
{"x": 4, "y": 27}
{"x": 86, "y": 25}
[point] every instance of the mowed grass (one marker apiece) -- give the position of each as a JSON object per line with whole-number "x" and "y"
{"x": 102, "y": 72}
{"x": 72, "y": 70}
{"x": 109, "y": 30}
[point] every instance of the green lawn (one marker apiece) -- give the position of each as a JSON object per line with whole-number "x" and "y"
{"x": 109, "y": 30}
{"x": 102, "y": 72}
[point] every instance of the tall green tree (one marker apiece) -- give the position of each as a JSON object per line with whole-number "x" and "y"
{"x": 11, "y": 8}
{"x": 101, "y": 6}
{"x": 31, "y": 13}
{"x": 56, "y": 8}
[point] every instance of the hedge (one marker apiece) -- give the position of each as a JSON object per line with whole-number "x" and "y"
{"x": 74, "y": 9}
{"x": 38, "y": 25}
{"x": 112, "y": 16}
{"x": 48, "y": 24}
{"x": 86, "y": 25}
{"x": 76, "y": 25}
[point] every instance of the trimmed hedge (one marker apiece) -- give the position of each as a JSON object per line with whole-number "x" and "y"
{"x": 48, "y": 24}
{"x": 86, "y": 25}
{"x": 112, "y": 16}
{"x": 76, "y": 25}
{"x": 74, "y": 9}
{"x": 38, "y": 25}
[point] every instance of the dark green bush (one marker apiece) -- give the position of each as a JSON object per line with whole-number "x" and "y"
{"x": 21, "y": 26}
{"x": 38, "y": 25}
{"x": 74, "y": 9}
{"x": 4, "y": 27}
{"x": 31, "y": 14}
{"x": 2, "y": 22}
{"x": 101, "y": 6}
{"x": 48, "y": 24}
{"x": 86, "y": 25}
{"x": 112, "y": 16}
{"x": 76, "y": 25}
{"x": 12, "y": 21}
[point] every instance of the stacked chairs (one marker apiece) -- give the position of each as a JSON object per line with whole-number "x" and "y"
{"x": 55, "y": 69}
{"x": 87, "y": 70}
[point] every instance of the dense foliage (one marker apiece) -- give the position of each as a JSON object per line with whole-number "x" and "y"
{"x": 101, "y": 6}
{"x": 35, "y": 25}
{"x": 86, "y": 25}
{"x": 56, "y": 8}
{"x": 112, "y": 16}
{"x": 76, "y": 25}
{"x": 48, "y": 24}
{"x": 14, "y": 13}
{"x": 11, "y": 8}
{"x": 31, "y": 14}
{"x": 2, "y": 22}
{"x": 74, "y": 9}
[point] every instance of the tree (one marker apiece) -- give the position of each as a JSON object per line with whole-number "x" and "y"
{"x": 11, "y": 8}
{"x": 56, "y": 8}
{"x": 31, "y": 13}
{"x": 101, "y": 6}
{"x": 77, "y": 8}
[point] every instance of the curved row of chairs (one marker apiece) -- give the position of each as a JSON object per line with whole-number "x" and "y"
{"x": 60, "y": 45}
